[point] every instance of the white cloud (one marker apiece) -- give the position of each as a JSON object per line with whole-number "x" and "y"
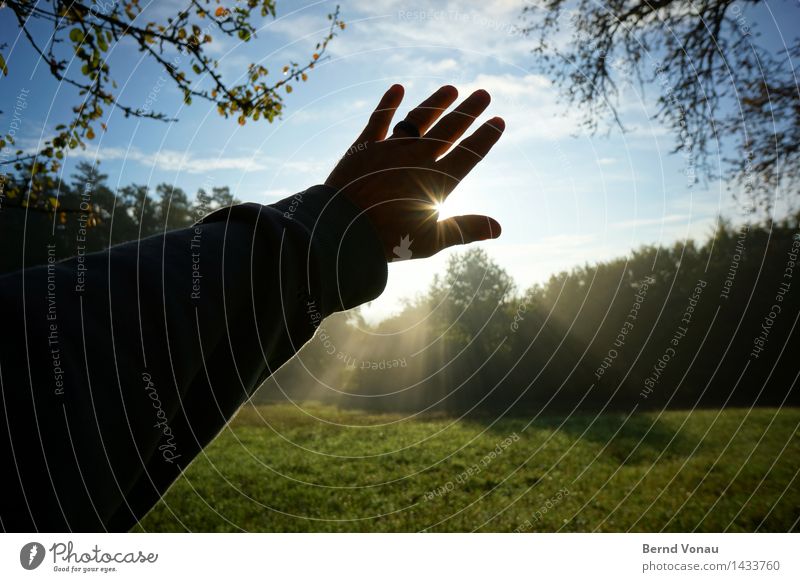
{"x": 529, "y": 105}
{"x": 606, "y": 161}
{"x": 174, "y": 160}
{"x": 188, "y": 163}
{"x": 478, "y": 27}
{"x": 639, "y": 222}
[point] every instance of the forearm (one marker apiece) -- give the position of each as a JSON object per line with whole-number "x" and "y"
{"x": 166, "y": 339}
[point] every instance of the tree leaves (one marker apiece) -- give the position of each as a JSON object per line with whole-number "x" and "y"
{"x": 714, "y": 87}
{"x": 76, "y": 35}
{"x": 186, "y": 32}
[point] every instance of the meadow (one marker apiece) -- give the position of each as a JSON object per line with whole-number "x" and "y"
{"x": 280, "y": 468}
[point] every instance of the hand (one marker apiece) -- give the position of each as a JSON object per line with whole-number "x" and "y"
{"x": 399, "y": 181}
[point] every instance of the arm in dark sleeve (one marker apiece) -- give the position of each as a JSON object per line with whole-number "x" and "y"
{"x": 117, "y": 368}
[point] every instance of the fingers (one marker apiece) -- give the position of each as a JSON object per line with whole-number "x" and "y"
{"x": 378, "y": 124}
{"x": 427, "y": 112}
{"x": 454, "y": 124}
{"x": 465, "y": 229}
{"x": 466, "y": 155}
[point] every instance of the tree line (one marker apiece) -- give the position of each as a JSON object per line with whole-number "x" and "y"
{"x": 706, "y": 324}
{"x": 709, "y": 324}
{"x": 83, "y": 214}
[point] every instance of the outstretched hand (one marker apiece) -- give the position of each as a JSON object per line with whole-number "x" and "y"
{"x": 399, "y": 180}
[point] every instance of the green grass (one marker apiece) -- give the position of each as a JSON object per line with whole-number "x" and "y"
{"x": 277, "y": 468}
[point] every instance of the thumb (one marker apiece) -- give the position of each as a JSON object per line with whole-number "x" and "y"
{"x": 465, "y": 229}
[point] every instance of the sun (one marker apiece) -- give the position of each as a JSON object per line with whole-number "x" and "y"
{"x": 449, "y": 207}
{"x": 453, "y": 205}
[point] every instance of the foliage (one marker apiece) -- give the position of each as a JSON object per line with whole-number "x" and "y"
{"x": 85, "y": 215}
{"x": 716, "y": 84}
{"x": 179, "y": 45}
{"x": 467, "y": 299}
{"x": 592, "y": 338}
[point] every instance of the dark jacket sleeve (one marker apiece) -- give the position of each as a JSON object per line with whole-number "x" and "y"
{"x": 117, "y": 368}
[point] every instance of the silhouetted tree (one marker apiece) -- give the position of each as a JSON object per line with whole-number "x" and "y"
{"x": 85, "y": 215}
{"x": 714, "y": 81}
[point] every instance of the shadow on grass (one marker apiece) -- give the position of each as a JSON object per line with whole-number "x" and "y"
{"x": 638, "y": 439}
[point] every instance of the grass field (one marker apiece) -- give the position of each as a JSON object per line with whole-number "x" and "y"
{"x": 277, "y": 468}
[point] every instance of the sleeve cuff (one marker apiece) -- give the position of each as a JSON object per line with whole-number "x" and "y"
{"x": 345, "y": 247}
{"x": 353, "y": 267}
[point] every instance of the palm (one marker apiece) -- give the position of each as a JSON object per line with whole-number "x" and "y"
{"x": 399, "y": 180}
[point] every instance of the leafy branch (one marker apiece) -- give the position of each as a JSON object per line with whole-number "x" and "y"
{"x": 179, "y": 45}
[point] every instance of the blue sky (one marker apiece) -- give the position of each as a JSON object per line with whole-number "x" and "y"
{"x": 563, "y": 197}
